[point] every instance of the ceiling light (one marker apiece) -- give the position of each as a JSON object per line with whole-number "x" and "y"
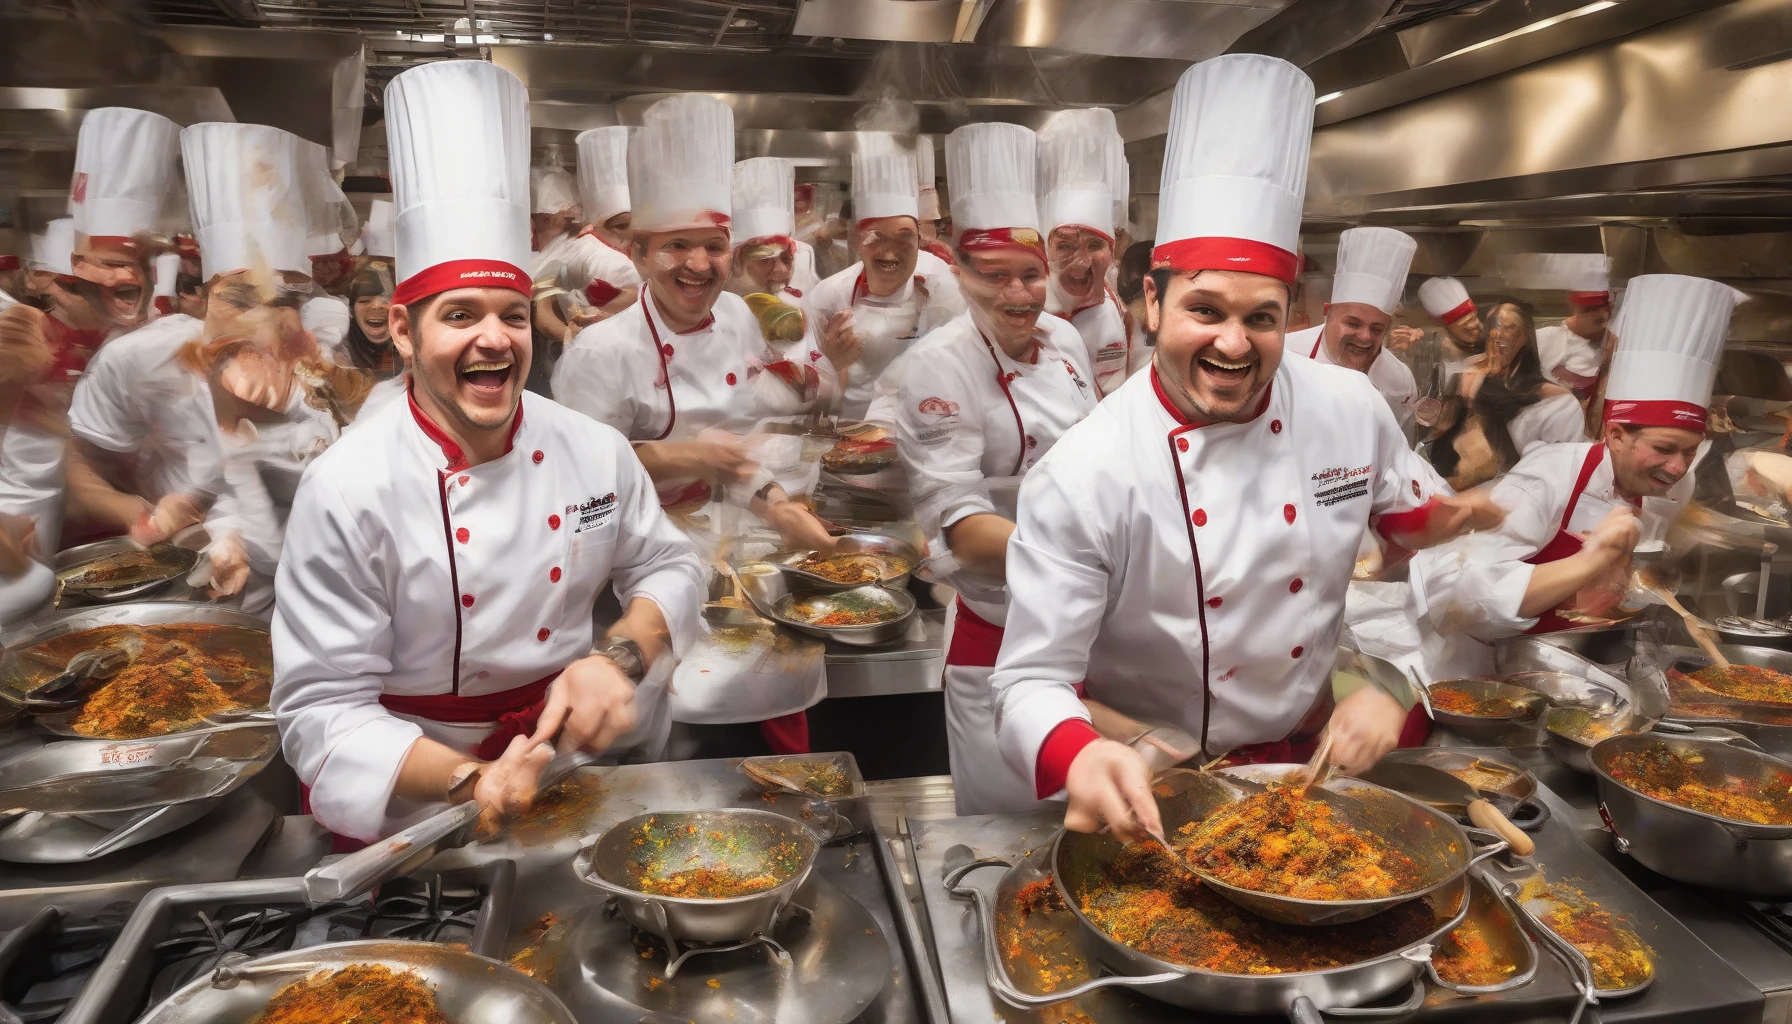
{"x": 547, "y": 37}
{"x": 1532, "y": 27}
{"x": 743, "y": 23}
{"x": 1328, "y": 97}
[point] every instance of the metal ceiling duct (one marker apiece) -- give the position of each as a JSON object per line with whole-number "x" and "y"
{"x": 1186, "y": 30}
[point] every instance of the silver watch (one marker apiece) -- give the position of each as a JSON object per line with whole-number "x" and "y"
{"x": 626, "y": 654}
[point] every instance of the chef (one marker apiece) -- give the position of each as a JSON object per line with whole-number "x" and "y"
{"x": 1185, "y": 550}
{"x": 675, "y": 372}
{"x": 613, "y": 282}
{"x": 927, "y": 200}
{"x": 1576, "y": 511}
{"x": 875, "y": 310}
{"x": 982, "y": 400}
{"x": 125, "y": 161}
{"x": 325, "y": 314}
{"x": 797, "y": 375}
{"x": 1574, "y": 351}
{"x": 1437, "y": 355}
{"x": 1366, "y": 287}
{"x": 1077, "y": 159}
{"x": 433, "y": 632}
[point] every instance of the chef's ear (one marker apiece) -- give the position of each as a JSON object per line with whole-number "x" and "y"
{"x": 1153, "y": 300}
{"x": 400, "y": 324}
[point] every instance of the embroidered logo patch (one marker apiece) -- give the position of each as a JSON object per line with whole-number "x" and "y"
{"x": 1340, "y": 484}
{"x": 592, "y": 512}
{"x": 938, "y": 407}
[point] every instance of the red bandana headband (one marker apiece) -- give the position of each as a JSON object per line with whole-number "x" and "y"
{"x": 1467, "y": 307}
{"x": 1192, "y": 255}
{"x": 1589, "y": 300}
{"x": 1660, "y": 413}
{"x": 974, "y": 240}
{"x": 461, "y": 274}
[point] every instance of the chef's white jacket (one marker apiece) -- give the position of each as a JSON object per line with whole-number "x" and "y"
{"x": 1474, "y": 584}
{"x": 134, "y": 400}
{"x": 1196, "y": 574}
{"x": 1390, "y": 376}
{"x": 889, "y": 326}
{"x": 1553, "y": 419}
{"x": 327, "y": 318}
{"x": 971, "y": 422}
{"x": 406, "y": 573}
{"x": 586, "y": 258}
{"x": 803, "y": 275}
{"x": 1559, "y": 348}
{"x": 1102, "y": 326}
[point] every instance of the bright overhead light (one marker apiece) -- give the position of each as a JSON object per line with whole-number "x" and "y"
{"x": 547, "y": 37}
{"x": 1534, "y": 26}
{"x": 1328, "y": 97}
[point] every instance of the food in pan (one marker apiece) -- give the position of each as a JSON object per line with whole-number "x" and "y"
{"x": 1619, "y": 957}
{"x": 1465, "y": 957}
{"x": 540, "y": 947}
{"x": 1445, "y": 697}
{"x": 855, "y": 566}
{"x": 1144, "y": 901}
{"x": 843, "y": 609}
{"x": 122, "y": 569}
{"x": 860, "y": 455}
{"x": 358, "y": 992}
{"x": 1670, "y": 775}
{"x": 1744, "y": 682}
{"x": 1281, "y": 843}
{"x": 722, "y": 865}
{"x": 819, "y": 775}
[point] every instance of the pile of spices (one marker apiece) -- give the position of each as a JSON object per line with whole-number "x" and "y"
{"x": 855, "y": 566}
{"x": 1461, "y": 702}
{"x": 1666, "y": 775}
{"x": 684, "y": 861}
{"x": 1281, "y": 843}
{"x": 1619, "y": 957}
{"x": 1465, "y": 957}
{"x": 1744, "y": 682}
{"x": 359, "y": 992}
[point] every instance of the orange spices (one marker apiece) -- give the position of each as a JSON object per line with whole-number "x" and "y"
{"x": 359, "y": 992}
{"x": 1281, "y": 843}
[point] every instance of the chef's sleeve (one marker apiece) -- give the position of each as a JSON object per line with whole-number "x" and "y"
{"x": 1557, "y": 419}
{"x": 1058, "y": 593}
{"x": 104, "y": 411}
{"x": 332, "y": 641}
{"x": 654, "y": 559}
{"x": 594, "y": 376}
{"x": 939, "y": 433}
{"x": 1406, "y": 487}
{"x": 1476, "y": 583}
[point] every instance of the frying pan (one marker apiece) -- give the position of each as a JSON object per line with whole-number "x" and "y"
{"x": 73, "y": 569}
{"x": 1493, "y": 729}
{"x": 1508, "y": 787}
{"x": 1451, "y": 795}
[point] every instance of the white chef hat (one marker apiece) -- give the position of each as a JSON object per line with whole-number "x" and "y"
{"x": 1671, "y": 333}
{"x": 1235, "y": 167}
{"x": 927, "y": 192}
{"x": 555, "y": 191}
{"x": 603, "y": 172}
{"x": 1445, "y": 298}
{"x": 1077, "y": 152}
{"x": 883, "y": 178}
{"x": 681, "y": 164}
{"x": 993, "y": 168}
{"x": 458, "y": 134}
{"x": 167, "y": 272}
{"x": 348, "y": 95}
{"x": 1372, "y": 265}
{"x": 124, "y": 164}
{"x": 1586, "y": 276}
{"x": 379, "y": 236}
{"x": 764, "y": 198}
{"x": 329, "y": 211}
{"x": 1121, "y": 184}
{"x": 247, "y": 196}
{"x": 52, "y": 250}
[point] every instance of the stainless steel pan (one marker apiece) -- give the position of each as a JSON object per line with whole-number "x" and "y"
{"x": 852, "y": 543}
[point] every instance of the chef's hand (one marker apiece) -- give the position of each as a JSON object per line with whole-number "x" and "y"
{"x": 720, "y": 461}
{"x": 174, "y": 513}
{"x": 230, "y": 566}
{"x": 1402, "y": 338}
{"x": 800, "y": 528}
{"x": 506, "y": 787}
{"x": 1614, "y": 539}
{"x": 1454, "y": 516}
{"x": 18, "y": 545}
{"x": 590, "y": 706}
{"x": 1363, "y": 727}
{"x": 839, "y": 342}
{"x": 1109, "y": 785}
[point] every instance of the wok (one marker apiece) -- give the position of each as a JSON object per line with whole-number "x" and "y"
{"x": 470, "y": 989}
{"x": 1518, "y": 724}
{"x": 852, "y": 543}
{"x": 743, "y": 841}
{"x": 72, "y": 564}
{"x": 769, "y": 591}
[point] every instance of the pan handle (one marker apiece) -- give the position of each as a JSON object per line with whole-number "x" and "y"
{"x": 1415, "y": 998}
{"x": 996, "y": 973}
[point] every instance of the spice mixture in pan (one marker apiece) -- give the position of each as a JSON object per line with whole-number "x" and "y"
{"x": 1460, "y": 702}
{"x": 1145, "y": 902}
{"x": 1619, "y": 957}
{"x": 117, "y": 570}
{"x": 1465, "y": 957}
{"x": 359, "y": 992}
{"x": 1744, "y": 682}
{"x": 1281, "y": 843}
{"x": 842, "y": 609}
{"x": 708, "y": 865}
{"x": 855, "y": 566}
{"x": 1662, "y": 773}
{"x": 560, "y": 813}
{"x": 819, "y": 775}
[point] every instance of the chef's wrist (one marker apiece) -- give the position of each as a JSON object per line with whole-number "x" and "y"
{"x": 625, "y": 654}
{"x": 463, "y": 781}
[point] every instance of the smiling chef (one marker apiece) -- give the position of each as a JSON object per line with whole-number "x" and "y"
{"x": 433, "y": 630}
{"x": 1078, "y": 157}
{"x": 1186, "y": 549}
{"x": 1371, "y": 274}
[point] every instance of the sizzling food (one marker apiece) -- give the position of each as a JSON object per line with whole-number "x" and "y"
{"x": 1671, "y": 776}
{"x": 1281, "y": 843}
{"x": 1619, "y": 957}
{"x": 1460, "y": 702}
{"x": 359, "y": 992}
{"x": 708, "y": 865}
{"x": 1465, "y": 957}
{"x": 1744, "y": 682}
{"x": 855, "y": 566}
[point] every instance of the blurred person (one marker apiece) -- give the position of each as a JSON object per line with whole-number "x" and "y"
{"x": 433, "y": 639}
{"x": 369, "y": 342}
{"x": 1575, "y": 352}
{"x": 1078, "y": 153}
{"x": 927, "y": 200}
{"x": 982, "y": 399}
{"x": 1129, "y": 278}
{"x": 870, "y": 314}
{"x": 795, "y": 375}
{"x": 1366, "y": 289}
{"x": 12, "y": 280}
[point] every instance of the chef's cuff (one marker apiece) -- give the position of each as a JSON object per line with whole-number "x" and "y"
{"x": 1411, "y": 521}
{"x": 1061, "y": 746}
{"x": 353, "y": 788}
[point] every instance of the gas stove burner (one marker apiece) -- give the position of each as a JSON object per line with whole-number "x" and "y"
{"x": 426, "y": 915}
{"x": 828, "y": 963}
{"x": 649, "y": 945}
{"x": 45, "y": 962}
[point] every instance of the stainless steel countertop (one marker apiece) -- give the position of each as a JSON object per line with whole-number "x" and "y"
{"x": 912, "y": 666}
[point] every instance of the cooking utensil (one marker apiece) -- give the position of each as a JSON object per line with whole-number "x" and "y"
{"x": 1536, "y": 904}
{"x": 1507, "y": 786}
{"x": 1570, "y": 734}
{"x": 1692, "y": 846}
{"x": 801, "y": 773}
{"x": 1564, "y": 689}
{"x": 1451, "y": 795}
{"x": 469, "y": 989}
{"x": 67, "y": 689}
{"x": 654, "y": 845}
{"x": 1649, "y": 582}
{"x": 1496, "y": 921}
{"x": 1500, "y": 729}
{"x": 884, "y": 549}
{"x": 84, "y": 572}
{"x": 1319, "y": 766}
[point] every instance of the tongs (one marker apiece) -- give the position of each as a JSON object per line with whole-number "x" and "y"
{"x": 82, "y": 674}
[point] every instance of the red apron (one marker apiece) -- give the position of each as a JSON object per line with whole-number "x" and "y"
{"x": 1565, "y": 544}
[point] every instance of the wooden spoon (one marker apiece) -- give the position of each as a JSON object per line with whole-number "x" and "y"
{"x": 1693, "y": 625}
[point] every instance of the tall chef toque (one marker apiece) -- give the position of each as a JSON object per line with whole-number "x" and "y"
{"x": 603, "y": 172}
{"x": 1372, "y": 264}
{"x": 1079, "y": 157}
{"x": 1671, "y": 333}
{"x": 681, "y": 165}
{"x": 458, "y": 136}
{"x": 51, "y": 250}
{"x": 993, "y": 169}
{"x": 765, "y": 199}
{"x": 125, "y": 164}
{"x": 1235, "y": 167}
{"x": 927, "y": 197}
{"x": 1445, "y": 299}
{"x": 1585, "y": 275}
{"x": 379, "y": 236}
{"x": 247, "y": 192}
{"x": 883, "y": 178}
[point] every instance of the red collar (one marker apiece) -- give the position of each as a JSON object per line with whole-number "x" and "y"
{"x": 451, "y": 449}
{"x": 1176, "y": 414}
{"x": 861, "y": 290}
{"x": 647, "y": 295}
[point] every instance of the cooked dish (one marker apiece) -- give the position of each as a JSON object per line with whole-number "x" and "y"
{"x": 123, "y": 569}
{"x": 843, "y": 609}
{"x": 1619, "y": 957}
{"x": 560, "y": 813}
{"x": 713, "y": 870}
{"x": 1744, "y": 682}
{"x": 1465, "y": 957}
{"x": 1460, "y": 702}
{"x": 1667, "y": 775}
{"x": 359, "y": 992}
{"x": 1145, "y": 902}
{"x": 860, "y": 455}
{"x": 1284, "y": 844}
{"x": 821, "y": 776}
{"x": 855, "y": 566}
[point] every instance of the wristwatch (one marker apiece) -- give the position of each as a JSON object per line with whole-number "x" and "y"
{"x": 464, "y": 781}
{"x": 626, "y": 654}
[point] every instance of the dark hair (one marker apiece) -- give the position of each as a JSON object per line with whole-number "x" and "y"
{"x": 1500, "y": 399}
{"x": 1160, "y": 279}
{"x": 1135, "y": 263}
